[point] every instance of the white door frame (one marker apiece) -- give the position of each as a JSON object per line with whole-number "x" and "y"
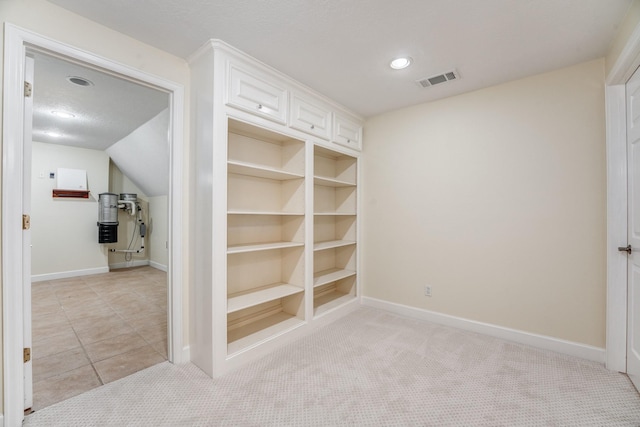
{"x": 16, "y": 41}
{"x": 616, "y": 113}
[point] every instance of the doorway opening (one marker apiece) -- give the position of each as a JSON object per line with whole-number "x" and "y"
{"x": 98, "y": 306}
{"x": 16, "y": 264}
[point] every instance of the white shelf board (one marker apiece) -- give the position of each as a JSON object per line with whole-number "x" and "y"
{"x": 331, "y": 182}
{"x": 257, "y": 332}
{"x": 257, "y": 296}
{"x": 329, "y": 244}
{"x": 335, "y": 213}
{"x": 330, "y": 301}
{"x": 327, "y": 276}
{"x": 238, "y": 249}
{"x": 260, "y": 171}
{"x": 245, "y": 212}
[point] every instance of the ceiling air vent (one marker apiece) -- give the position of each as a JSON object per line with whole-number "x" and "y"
{"x": 440, "y": 78}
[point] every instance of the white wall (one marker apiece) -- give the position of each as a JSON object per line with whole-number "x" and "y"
{"x": 496, "y": 199}
{"x": 63, "y": 231}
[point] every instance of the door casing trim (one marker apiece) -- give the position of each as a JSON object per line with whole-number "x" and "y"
{"x": 16, "y": 42}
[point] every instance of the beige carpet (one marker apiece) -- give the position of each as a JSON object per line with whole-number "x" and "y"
{"x": 369, "y": 368}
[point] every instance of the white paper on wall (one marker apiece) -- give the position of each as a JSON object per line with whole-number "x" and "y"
{"x": 71, "y": 179}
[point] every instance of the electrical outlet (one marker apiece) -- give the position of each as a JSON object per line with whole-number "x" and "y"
{"x": 427, "y": 291}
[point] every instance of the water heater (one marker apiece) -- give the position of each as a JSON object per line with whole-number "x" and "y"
{"x": 107, "y": 218}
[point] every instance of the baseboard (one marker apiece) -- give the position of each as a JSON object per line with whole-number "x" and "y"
{"x": 129, "y": 264}
{"x": 158, "y": 266}
{"x": 570, "y": 348}
{"x": 68, "y": 274}
{"x": 186, "y": 354}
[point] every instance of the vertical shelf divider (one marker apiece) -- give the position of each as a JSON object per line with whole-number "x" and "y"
{"x": 309, "y": 230}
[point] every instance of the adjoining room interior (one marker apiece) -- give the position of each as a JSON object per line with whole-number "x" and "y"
{"x": 99, "y": 309}
{"x": 392, "y": 213}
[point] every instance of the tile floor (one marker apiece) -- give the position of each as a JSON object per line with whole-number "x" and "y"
{"x": 92, "y": 330}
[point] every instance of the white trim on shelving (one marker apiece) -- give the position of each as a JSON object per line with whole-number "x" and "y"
{"x": 69, "y": 274}
{"x": 331, "y": 244}
{"x": 332, "y": 275}
{"x": 583, "y": 351}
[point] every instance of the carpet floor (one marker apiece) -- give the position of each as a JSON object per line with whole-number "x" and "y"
{"x": 370, "y": 368}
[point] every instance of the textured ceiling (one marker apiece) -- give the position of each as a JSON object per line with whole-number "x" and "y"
{"x": 104, "y": 113}
{"x": 342, "y": 48}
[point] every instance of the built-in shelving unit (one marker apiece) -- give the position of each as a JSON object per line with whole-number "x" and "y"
{"x": 274, "y": 208}
{"x": 265, "y": 234}
{"x": 334, "y": 260}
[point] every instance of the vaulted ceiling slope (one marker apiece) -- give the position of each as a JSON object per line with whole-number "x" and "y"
{"x": 106, "y": 112}
{"x": 342, "y": 48}
{"x": 105, "y": 109}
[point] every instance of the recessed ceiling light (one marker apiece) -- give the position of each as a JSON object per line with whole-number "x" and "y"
{"x": 400, "y": 63}
{"x": 80, "y": 81}
{"x": 63, "y": 114}
{"x": 53, "y": 134}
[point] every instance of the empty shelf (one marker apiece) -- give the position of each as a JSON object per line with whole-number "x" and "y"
{"x": 257, "y": 332}
{"x": 250, "y": 169}
{"x": 330, "y": 301}
{"x": 257, "y": 296}
{"x": 335, "y": 213}
{"x": 332, "y": 182}
{"x": 327, "y": 276}
{"x": 332, "y": 244}
{"x": 237, "y": 249}
{"x": 246, "y": 212}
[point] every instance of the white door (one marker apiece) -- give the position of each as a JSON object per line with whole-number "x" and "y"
{"x": 26, "y": 234}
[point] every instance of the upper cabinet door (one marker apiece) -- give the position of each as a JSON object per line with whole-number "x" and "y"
{"x": 310, "y": 117}
{"x": 255, "y": 94}
{"x": 347, "y": 132}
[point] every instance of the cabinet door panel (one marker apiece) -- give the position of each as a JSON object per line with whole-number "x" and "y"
{"x": 310, "y": 117}
{"x": 347, "y": 132}
{"x": 250, "y": 92}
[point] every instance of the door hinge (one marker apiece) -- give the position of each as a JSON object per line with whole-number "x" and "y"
{"x": 28, "y": 89}
{"x": 27, "y": 355}
{"x": 26, "y": 222}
